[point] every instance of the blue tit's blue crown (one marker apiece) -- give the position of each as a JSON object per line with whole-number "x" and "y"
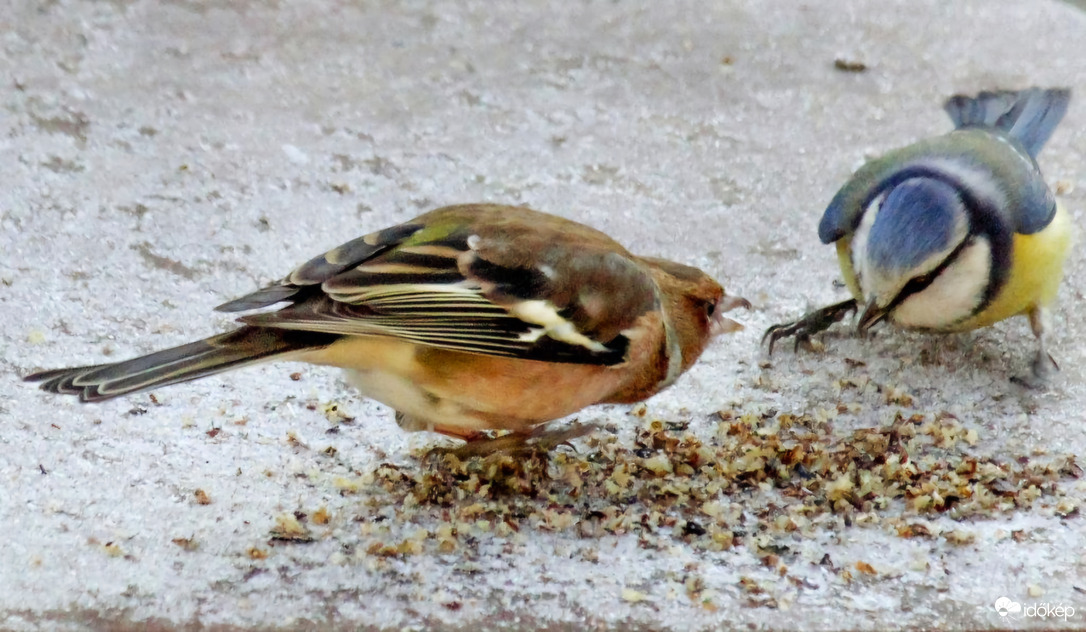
{"x": 916, "y": 220}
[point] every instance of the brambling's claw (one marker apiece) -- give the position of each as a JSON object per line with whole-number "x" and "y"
{"x": 548, "y": 439}
{"x": 485, "y": 446}
{"x": 540, "y": 439}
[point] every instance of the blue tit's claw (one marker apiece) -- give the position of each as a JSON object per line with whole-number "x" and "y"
{"x": 811, "y": 323}
{"x": 1041, "y": 372}
{"x": 1044, "y": 365}
{"x": 1031, "y": 381}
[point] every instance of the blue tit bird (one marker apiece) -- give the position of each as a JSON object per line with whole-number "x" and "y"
{"x": 955, "y": 232}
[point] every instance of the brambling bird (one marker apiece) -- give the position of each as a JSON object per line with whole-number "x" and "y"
{"x": 955, "y": 232}
{"x": 465, "y": 319}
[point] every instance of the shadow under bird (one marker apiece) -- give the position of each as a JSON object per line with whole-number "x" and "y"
{"x": 465, "y": 319}
{"x": 955, "y": 232}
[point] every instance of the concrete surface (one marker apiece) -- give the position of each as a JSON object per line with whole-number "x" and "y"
{"x": 162, "y": 157}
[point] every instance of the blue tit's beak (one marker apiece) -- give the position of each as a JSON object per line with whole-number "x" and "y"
{"x": 873, "y": 315}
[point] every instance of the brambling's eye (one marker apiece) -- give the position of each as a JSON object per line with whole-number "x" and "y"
{"x": 710, "y": 309}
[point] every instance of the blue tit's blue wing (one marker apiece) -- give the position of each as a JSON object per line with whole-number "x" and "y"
{"x": 877, "y": 176}
{"x": 846, "y": 208}
{"x": 999, "y": 177}
{"x": 1028, "y": 116}
{"x": 995, "y": 177}
{"x": 991, "y": 157}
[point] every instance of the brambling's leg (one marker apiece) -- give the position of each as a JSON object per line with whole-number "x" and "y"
{"x": 410, "y": 423}
{"x": 539, "y": 438}
{"x": 811, "y": 323}
{"x": 1043, "y": 366}
{"x": 548, "y": 439}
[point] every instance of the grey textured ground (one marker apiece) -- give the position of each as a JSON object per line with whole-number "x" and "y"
{"x": 160, "y": 158}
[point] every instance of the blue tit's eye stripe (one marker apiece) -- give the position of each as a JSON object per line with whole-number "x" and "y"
{"x": 921, "y": 283}
{"x": 988, "y": 218}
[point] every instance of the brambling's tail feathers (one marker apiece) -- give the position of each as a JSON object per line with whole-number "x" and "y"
{"x": 1028, "y": 115}
{"x": 241, "y": 347}
{"x": 264, "y": 297}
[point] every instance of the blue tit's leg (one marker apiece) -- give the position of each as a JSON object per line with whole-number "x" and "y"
{"x": 811, "y": 323}
{"x": 1043, "y": 366}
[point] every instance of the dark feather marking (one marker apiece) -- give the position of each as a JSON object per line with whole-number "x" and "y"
{"x": 436, "y": 262}
{"x": 456, "y": 240}
{"x": 521, "y": 283}
{"x": 260, "y": 298}
{"x": 550, "y": 350}
{"x": 346, "y": 256}
{"x": 356, "y": 281}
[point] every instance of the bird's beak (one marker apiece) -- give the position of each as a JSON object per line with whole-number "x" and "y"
{"x": 873, "y": 315}
{"x": 722, "y": 325}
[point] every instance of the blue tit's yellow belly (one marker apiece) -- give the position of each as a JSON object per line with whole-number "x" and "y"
{"x": 844, "y": 259}
{"x": 1036, "y": 272}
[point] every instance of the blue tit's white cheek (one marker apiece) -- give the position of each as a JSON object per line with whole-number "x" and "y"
{"x": 869, "y": 280}
{"x": 875, "y": 283}
{"x": 953, "y": 296}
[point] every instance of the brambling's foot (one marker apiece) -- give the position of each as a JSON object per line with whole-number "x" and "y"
{"x": 540, "y": 438}
{"x": 548, "y": 439}
{"x": 811, "y": 323}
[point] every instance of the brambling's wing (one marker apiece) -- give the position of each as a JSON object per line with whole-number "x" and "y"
{"x": 484, "y": 279}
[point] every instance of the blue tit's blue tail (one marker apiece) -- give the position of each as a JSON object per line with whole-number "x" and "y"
{"x": 1029, "y": 116}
